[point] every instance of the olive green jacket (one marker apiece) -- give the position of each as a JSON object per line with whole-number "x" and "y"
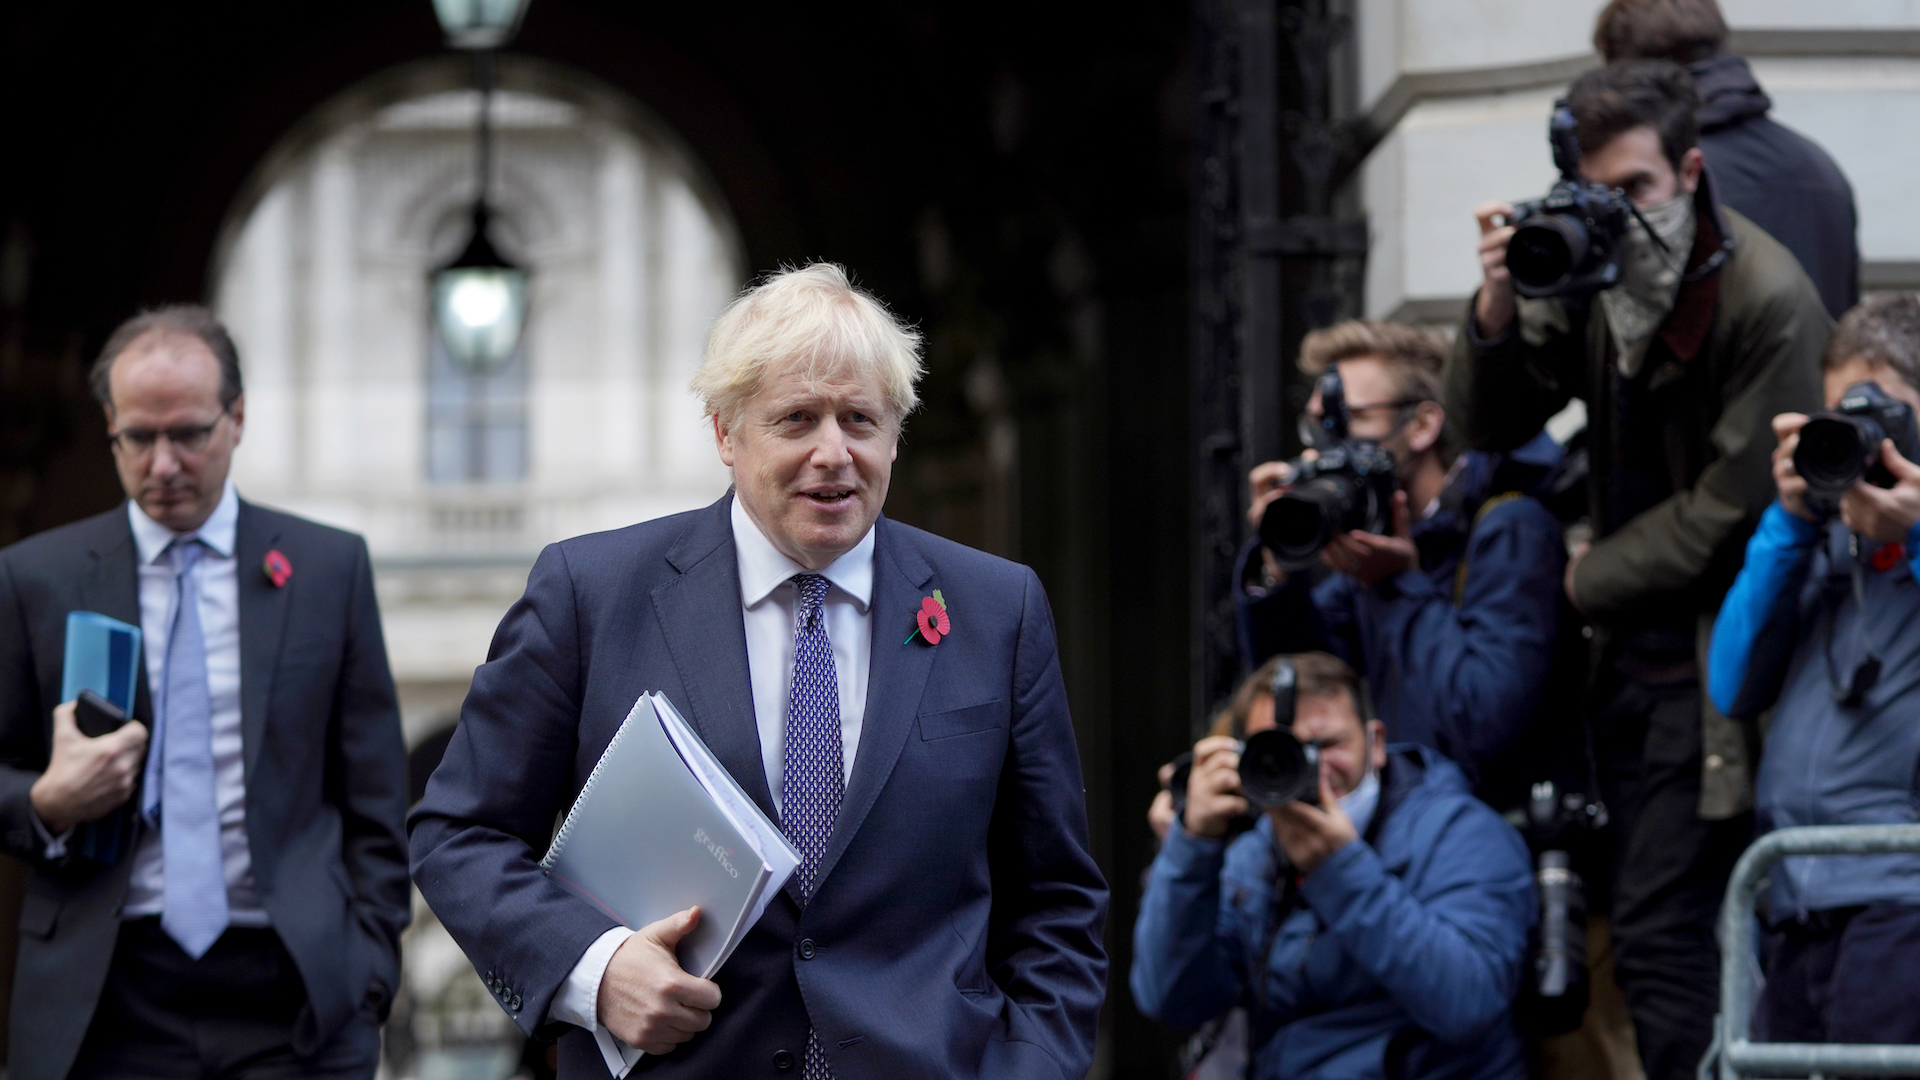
{"x": 1742, "y": 345}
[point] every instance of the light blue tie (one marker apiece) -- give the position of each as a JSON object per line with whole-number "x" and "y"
{"x": 813, "y": 781}
{"x": 179, "y": 794}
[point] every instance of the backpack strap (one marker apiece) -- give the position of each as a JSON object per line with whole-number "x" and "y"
{"x": 1460, "y": 575}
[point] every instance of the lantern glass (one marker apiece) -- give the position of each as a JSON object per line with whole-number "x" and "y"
{"x": 480, "y": 311}
{"x": 479, "y": 24}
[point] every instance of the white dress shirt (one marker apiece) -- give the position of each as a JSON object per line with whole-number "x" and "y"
{"x": 767, "y": 599}
{"x": 217, "y": 581}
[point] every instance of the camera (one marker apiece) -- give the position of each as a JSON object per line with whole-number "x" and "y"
{"x": 1555, "y": 999}
{"x": 1839, "y": 449}
{"x": 1275, "y": 769}
{"x": 1349, "y": 485}
{"x": 1569, "y": 243}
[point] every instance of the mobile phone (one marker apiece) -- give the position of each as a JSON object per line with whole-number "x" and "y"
{"x": 96, "y": 716}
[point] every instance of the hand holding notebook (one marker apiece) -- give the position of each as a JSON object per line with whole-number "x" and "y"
{"x": 94, "y": 761}
{"x": 659, "y": 827}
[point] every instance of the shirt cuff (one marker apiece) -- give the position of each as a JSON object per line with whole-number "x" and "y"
{"x": 578, "y": 1001}
{"x": 56, "y": 845}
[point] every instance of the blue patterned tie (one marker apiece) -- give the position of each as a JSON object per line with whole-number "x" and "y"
{"x": 179, "y": 794}
{"x": 812, "y": 781}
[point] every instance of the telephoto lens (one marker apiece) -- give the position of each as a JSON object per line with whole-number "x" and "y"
{"x": 1276, "y": 769}
{"x": 1559, "y": 997}
{"x": 1545, "y": 252}
{"x": 1839, "y": 449}
{"x": 1835, "y": 452}
{"x": 1349, "y": 486}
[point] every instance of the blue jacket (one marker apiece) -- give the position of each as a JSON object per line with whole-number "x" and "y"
{"x": 1463, "y": 678}
{"x": 1407, "y": 944}
{"x": 1789, "y": 627}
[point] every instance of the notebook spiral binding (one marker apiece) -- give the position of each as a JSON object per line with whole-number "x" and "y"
{"x": 573, "y": 813}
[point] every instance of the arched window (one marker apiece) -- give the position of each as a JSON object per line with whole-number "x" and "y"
{"x": 357, "y": 415}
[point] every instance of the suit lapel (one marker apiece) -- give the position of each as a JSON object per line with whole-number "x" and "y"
{"x": 895, "y": 679}
{"x": 112, "y": 588}
{"x": 263, "y": 621}
{"x": 700, "y": 617}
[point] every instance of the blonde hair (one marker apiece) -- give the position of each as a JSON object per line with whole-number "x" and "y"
{"x": 1414, "y": 357}
{"x": 813, "y": 317}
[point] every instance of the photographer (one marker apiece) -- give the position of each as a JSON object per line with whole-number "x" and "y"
{"x": 1819, "y": 627}
{"x": 1452, "y": 616}
{"x": 1781, "y": 180}
{"x": 1684, "y": 329}
{"x": 1376, "y": 928}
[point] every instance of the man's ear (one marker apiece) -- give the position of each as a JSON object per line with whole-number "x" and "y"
{"x": 723, "y": 439}
{"x": 1423, "y": 431}
{"x": 1691, "y": 163}
{"x": 237, "y": 416}
{"x": 1378, "y": 733}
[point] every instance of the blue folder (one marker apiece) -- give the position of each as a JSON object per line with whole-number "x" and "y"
{"x": 103, "y": 655}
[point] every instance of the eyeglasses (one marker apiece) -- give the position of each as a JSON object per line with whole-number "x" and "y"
{"x": 186, "y": 439}
{"x": 1312, "y": 434}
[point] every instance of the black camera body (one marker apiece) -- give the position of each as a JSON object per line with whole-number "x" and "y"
{"x": 1569, "y": 243}
{"x": 1275, "y": 767}
{"x": 1555, "y": 999}
{"x": 1348, "y": 485}
{"x": 1838, "y": 449}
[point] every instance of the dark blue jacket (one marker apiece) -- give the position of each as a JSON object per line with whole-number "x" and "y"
{"x": 1464, "y": 678}
{"x": 1790, "y": 627}
{"x": 1407, "y": 945}
{"x": 1781, "y": 180}
{"x": 954, "y": 929}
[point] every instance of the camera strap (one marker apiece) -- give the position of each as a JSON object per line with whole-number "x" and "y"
{"x": 1867, "y": 672}
{"x": 1283, "y": 687}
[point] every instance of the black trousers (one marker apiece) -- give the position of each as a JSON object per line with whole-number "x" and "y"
{"x": 1843, "y": 976}
{"x": 230, "y": 1014}
{"x": 1670, "y": 868}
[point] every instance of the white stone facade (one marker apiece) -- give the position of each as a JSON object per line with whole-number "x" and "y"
{"x": 1463, "y": 89}
{"x": 325, "y": 288}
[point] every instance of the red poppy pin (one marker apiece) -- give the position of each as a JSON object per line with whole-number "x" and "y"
{"x": 933, "y": 620}
{"x": 277, "y": 567}
{"x": 1888, "y": 556}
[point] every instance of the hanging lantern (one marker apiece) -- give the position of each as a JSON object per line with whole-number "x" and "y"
{"x": 479, "y": 24}
{"x": 480, "y": 302}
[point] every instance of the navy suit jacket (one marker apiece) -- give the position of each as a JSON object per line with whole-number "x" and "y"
{"x": 326, "y": 770}
{"x": 955, "y": 925}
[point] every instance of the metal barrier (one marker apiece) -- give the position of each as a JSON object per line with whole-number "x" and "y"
{"x": 1733, "y": 1053}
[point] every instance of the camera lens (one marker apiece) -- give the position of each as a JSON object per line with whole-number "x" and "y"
{"x": 1545, "y": 251}
{"x": 1297, "y": 526}
{"x": 1276, "y": 769}
{"x": 1835, "y": 452}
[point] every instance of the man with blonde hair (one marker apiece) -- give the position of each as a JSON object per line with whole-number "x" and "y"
{"x": 945, "y": 920}
{"x": 1452, "y": 617}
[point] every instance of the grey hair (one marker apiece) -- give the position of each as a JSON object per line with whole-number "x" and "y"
{"x": 813, "y": 316}
{"x": 187, "y": 319}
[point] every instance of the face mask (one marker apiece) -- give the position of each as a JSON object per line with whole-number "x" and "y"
{"x": 1651, "y": 264}
{"x": 1361, "y": 802}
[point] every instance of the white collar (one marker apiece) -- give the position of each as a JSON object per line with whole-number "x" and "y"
{"x": 763, "y": 568}
{"x": 151, "y": 538}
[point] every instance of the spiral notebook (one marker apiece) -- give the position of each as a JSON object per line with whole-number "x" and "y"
{"x": 660, "y": 827}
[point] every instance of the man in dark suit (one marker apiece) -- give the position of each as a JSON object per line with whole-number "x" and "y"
{"x": 946, "y": 917}
{"x": 225, "y": 898}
